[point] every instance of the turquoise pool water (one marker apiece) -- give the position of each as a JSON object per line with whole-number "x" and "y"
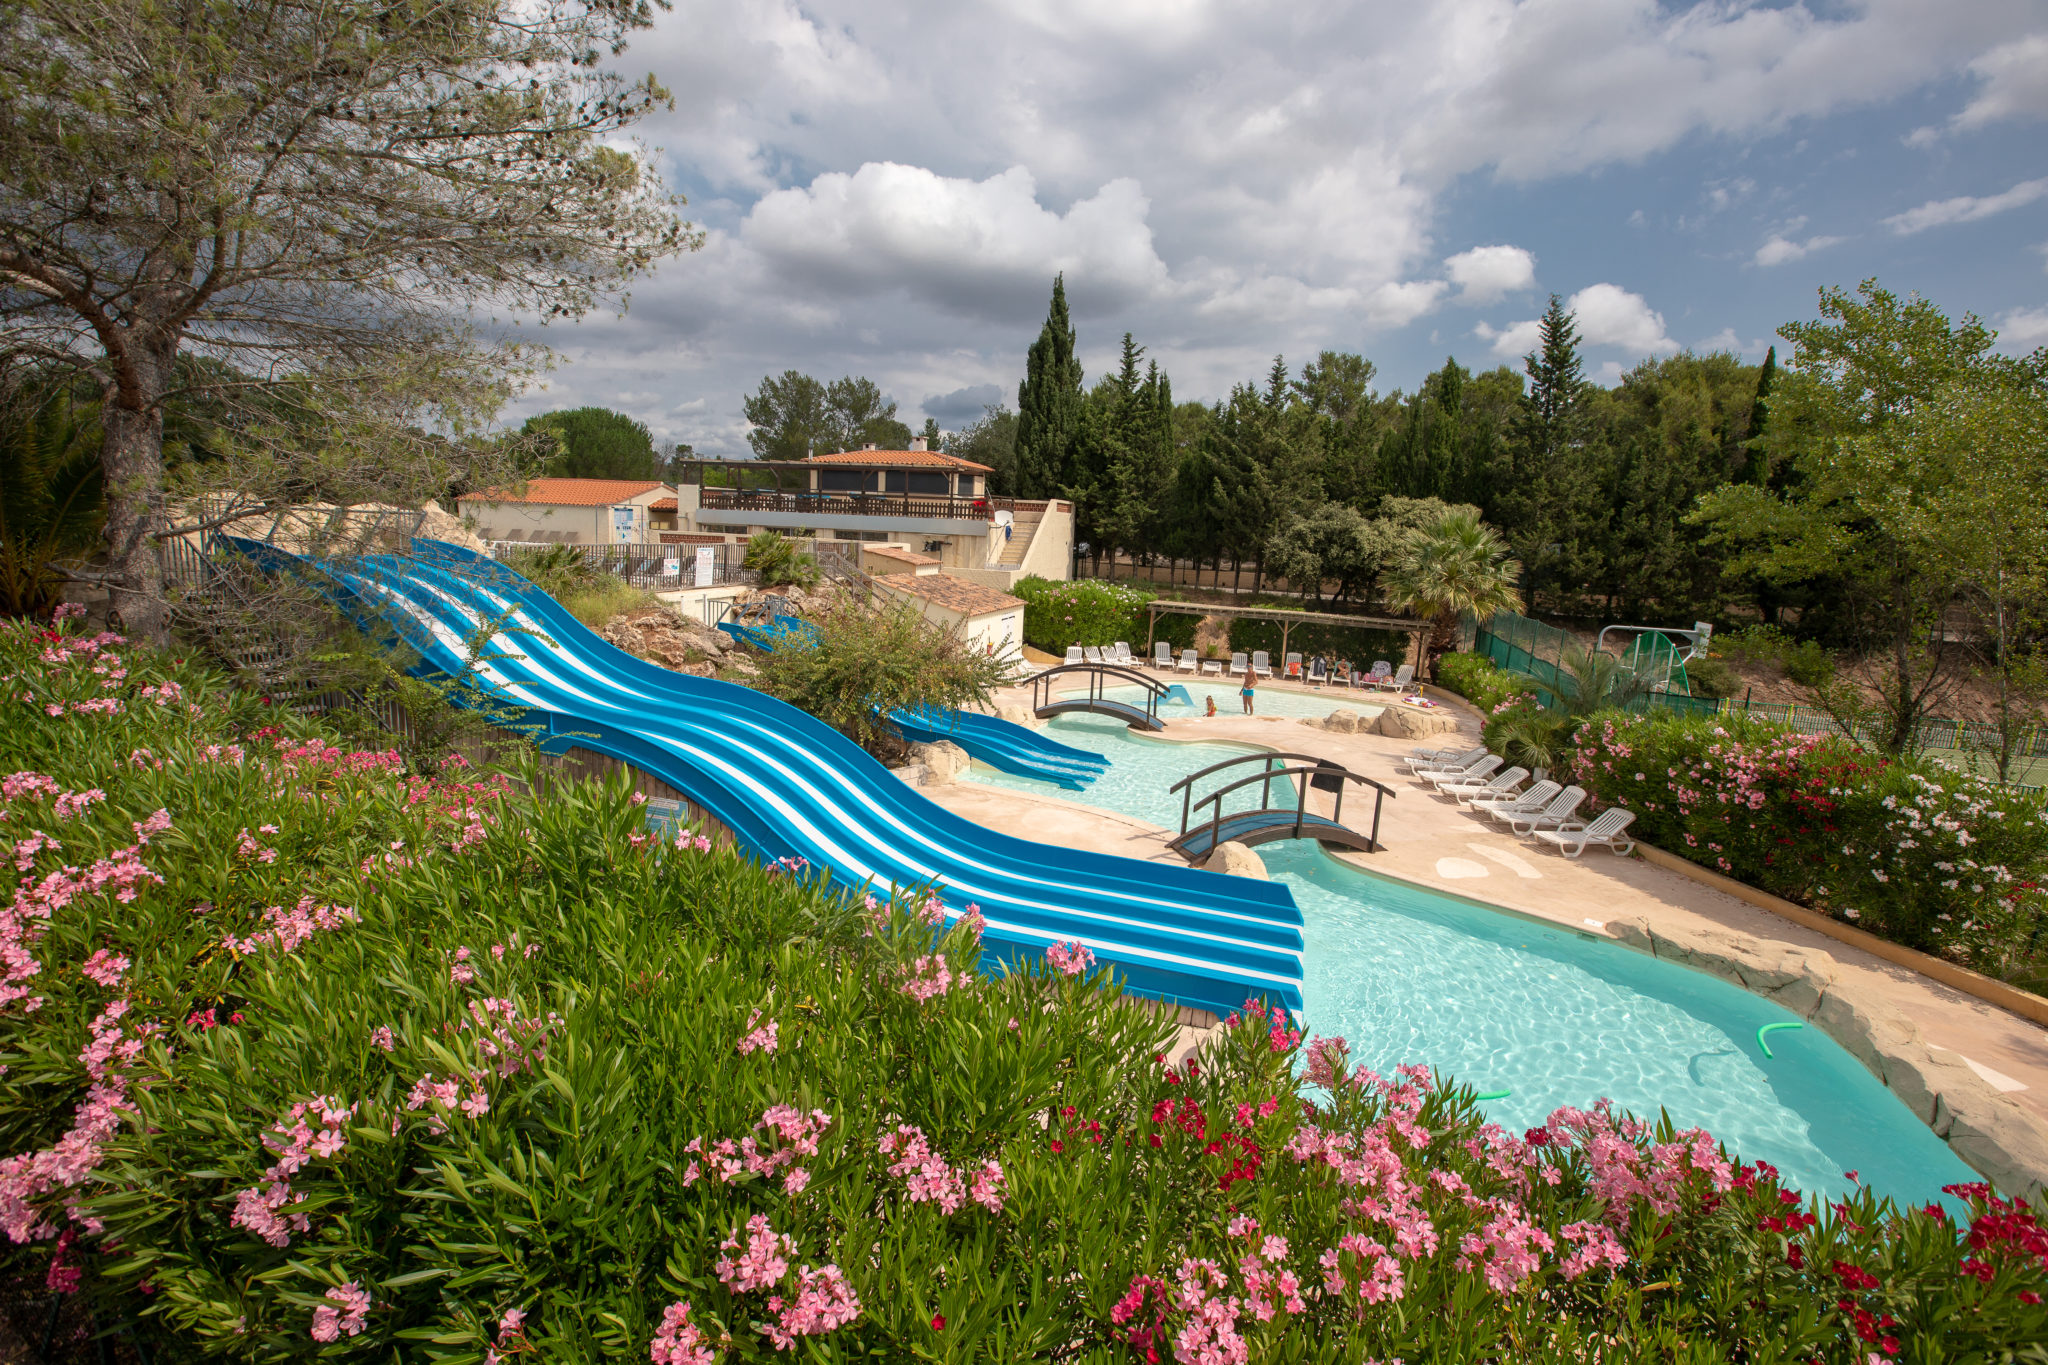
{"x": 1551, "y": 1015}
{"x": 1140, "y": 770}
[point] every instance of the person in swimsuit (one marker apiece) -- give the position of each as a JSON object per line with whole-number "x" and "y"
{"x": 1212, "y": 703}
{"x": 1250, "y": 685}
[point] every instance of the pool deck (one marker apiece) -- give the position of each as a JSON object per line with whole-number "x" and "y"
{"x": 1432, "y": 843}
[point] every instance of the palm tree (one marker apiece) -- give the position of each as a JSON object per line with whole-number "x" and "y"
{"x": 1456, "y": 568}
{"x": 1591, "y": 680}
{"x": 51, "y": 495}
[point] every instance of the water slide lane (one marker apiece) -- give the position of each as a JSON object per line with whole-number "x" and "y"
{"x": 789, "y": 786}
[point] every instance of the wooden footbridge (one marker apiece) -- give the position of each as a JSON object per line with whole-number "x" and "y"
{"x": 1268, "y": 822}
{"x": 1047, "y": 702}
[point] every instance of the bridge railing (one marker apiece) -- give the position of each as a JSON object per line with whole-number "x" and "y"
{"x": 1099, "y": 677}
{"x": 1309, "y": 772}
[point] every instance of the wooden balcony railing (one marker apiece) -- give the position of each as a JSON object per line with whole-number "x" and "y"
{"x": 937, "y": 506}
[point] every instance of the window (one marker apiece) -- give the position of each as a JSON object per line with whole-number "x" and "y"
{"x": 924, "y": 482}
{"x": 966, "y": 485}
{"x": 845, "y": 480}
{"x": 893, "y": 481}
{"x": 935, "y": 547}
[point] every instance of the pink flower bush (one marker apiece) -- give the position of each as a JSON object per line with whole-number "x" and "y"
{"x": 1070, "y": 959}
{"x": 678, "y": 1341}
{"x": 345, "y": 1317}
{"x": 759, "y": 1037}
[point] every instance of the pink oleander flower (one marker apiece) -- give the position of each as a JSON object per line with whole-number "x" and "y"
{"x": 380, "y": 1037}
{"x": 677, "y": 1341}
{"x": 1070, "y": 959}
{"x": 758, "y": 1039}
{"x": 762, "y": 1261}
{"x": 930, "y": 977}
{"x": 825, "y": 1301}
{"x": 1326, "y": 1061}
{"x": 351, "y": 1310}
{"x": 105, "y": 967}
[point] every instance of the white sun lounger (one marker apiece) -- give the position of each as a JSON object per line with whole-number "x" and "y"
{"x": 1294, "y": 663}
{"x": 1073, "y": 654}
{"x": 1380, "y": 672}
{"x": 1187, "y": 661}
{"x": 1093, "y": 654}
{"x": 1463, "y": 758}
{"x": 1606, "y": 831}
{"x": 1531, "y": 801}
{"x": 1162, "y": 654}
{"x": 1262, "y": 663}
{"x": 1403, "y": 677}
{"x": 1122, "y": 655}
{"x": 1557, "y": 815}
{"x": 1212, "y": 666}
{"x": 1238, "y": 665}
{"x": 1477, "y": 772}
{"x": 1317, "y": 674}
{"x": 1500, "y": 784}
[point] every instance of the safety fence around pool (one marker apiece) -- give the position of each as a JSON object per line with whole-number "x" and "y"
{"x": 1539, "y": 652}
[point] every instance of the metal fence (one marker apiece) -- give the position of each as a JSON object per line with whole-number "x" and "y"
{"x": 665, "y": 568}
{"x": 1539, "y": 652}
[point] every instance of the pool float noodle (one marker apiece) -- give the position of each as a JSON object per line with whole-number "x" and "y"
{"x": 1772, "y": 1028}
{"x": 1492, "y": 1095}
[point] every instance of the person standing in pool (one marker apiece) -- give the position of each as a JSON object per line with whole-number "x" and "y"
{"x": 1251, "y": 685}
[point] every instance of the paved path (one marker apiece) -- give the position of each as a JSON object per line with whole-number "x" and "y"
{"x": 1433, "y": 843}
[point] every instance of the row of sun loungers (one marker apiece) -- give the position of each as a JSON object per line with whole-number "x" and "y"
{"x": 1382, "y": 678}
{"x": 1546, "y": 811}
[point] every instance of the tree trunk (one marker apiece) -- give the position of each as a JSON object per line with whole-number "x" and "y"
{"x": 132, "y": 456}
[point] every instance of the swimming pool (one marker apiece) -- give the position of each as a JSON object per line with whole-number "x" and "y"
{"x": 1140, "y": 771}
{"x": 1550, "y": 1014}
{"x": 1558, "y": 1017}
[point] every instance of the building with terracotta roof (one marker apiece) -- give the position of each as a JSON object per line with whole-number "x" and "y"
{"x": 984, "y": 616}
{"x": 931, "y": 503}
{"x": 575, "y": 511}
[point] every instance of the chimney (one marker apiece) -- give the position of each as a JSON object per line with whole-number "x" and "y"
{"x": 870, "y": 446}
{"x": 917, "y": 443}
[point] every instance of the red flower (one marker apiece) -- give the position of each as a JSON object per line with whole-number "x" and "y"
{"x": 938, "y": 1322}
{"x": 2029, "y": 1296}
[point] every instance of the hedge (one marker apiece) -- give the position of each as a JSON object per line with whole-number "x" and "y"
{"x": 1062, "y": 613}
{"x": 307, "y": 1058}
{"x": 1480, "y": 681}
{"x": 1936, "y": 859}
{"x": 1363, "y": 645}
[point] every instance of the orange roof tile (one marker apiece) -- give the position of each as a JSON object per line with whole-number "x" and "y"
{"x": 662, "y": 505}
{"x": 963, "y": 595}
{"x": 570, "y": 492}
{"x": 926, "y": 459}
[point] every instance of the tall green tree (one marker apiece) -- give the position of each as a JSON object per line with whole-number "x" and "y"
{"x": 990, "y": 439}
{"x": 317, "y": 190}
{"x": 860, "y": 415}
{"x": 1049, "y": 403}
{"x": 1454, "y": 569}
{"x": 1551, "y": 508}
{"x": 1865, "y": 481}
{"x": 595, "y": 443}
{"x": 790, "y": 418}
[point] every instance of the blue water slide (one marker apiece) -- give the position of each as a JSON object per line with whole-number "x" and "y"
{"x": 790, "y": 786}
{"x": 1002, "y": 744}
{"x": 999, "y": 743}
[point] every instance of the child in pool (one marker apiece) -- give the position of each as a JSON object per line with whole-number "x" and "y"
{"x": 1212, "y": 703}
{"x": 1251, "y": 685}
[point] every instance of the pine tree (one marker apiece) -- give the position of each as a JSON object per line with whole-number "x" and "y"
{"x": 1552, "y": 509}
{"x": 1557, "y": 385}
{"x": 1443, "y": 457}
{"x": 1049, "y": 403}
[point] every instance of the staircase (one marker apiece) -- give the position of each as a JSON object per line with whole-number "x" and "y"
{"x": 1026, "y": 517}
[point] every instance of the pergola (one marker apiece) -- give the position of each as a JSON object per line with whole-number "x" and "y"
{"x": 1287, "y": 619}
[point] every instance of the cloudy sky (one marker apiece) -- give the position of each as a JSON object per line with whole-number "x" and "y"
{"x": 888, "y": 189}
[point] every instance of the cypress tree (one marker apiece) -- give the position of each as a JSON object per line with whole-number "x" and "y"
{"x": 1048, "y": 403}
{"x": 1757, "y": 462}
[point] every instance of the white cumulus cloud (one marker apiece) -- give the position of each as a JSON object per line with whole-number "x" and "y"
{"x": 2015, "y": 77}
{"x": 1780, "y": 249}
{"x": 1606, "y": 315}
{"x": 974, "y": 246}
{"x": 1965, "y": 208}
{"x": 2023, "y": 329}
{"x": 1487, "y": 274}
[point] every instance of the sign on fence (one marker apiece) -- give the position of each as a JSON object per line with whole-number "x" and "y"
{"x": 707, "y": 565}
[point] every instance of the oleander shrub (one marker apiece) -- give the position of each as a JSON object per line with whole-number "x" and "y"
{"x": 309, "y": 1059}
{"x": 1082, "y": 612}
{"x": 1482, "y": 682}
{"x": 1939, "y": 860}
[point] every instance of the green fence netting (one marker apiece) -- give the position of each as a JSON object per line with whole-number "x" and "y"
{"x": 1538, "y": 652}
